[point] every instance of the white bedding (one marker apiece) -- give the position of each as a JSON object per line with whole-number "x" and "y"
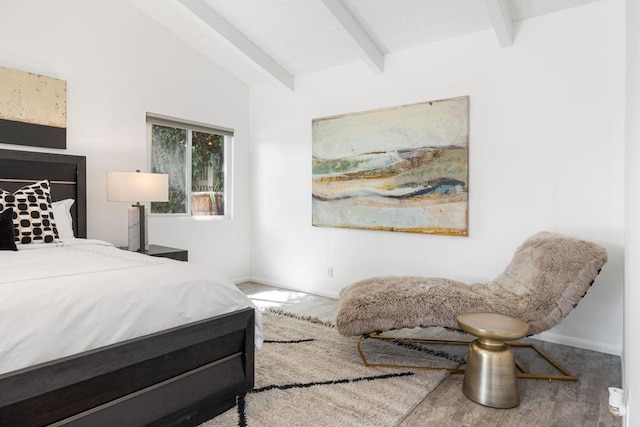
{"x": 61, "y": 299}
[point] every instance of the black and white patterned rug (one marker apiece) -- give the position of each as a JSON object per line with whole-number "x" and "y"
{"x": 307, "y": 374}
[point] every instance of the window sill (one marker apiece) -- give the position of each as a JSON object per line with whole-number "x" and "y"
{"x": 185, "y": 217}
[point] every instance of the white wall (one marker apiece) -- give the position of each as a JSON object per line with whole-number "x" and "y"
{"x": 546, "y": 153}
{"x": 120, "y": 64}
{"x": 546, "y": 143}
{"x": 630, "y": 368}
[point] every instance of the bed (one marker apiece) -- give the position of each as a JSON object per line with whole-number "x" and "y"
{"x": 177, "y": 375}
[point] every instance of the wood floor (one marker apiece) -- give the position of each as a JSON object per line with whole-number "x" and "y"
{"x": 543, "y": 403}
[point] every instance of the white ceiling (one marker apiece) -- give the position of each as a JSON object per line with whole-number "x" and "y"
{"x": 259, "y": 41}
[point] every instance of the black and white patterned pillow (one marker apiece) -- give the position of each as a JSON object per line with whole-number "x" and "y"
{"x": 33, "y": 220}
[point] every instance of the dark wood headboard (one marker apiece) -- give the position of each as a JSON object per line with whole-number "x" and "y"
{"x": 67, "y": 174}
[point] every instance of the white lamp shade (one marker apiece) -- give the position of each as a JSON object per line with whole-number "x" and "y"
{"x": 137, "y": 187}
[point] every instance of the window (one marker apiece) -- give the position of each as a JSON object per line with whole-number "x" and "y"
{"x": 195, "y": 156}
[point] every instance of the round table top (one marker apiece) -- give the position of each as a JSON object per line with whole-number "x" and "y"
{"x": 493, "y": 326}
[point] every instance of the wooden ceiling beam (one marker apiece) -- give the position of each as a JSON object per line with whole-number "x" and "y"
{"x": 501, "y": 21}
{"x": 369, "y": 51}
{"x": 238, "y": 41}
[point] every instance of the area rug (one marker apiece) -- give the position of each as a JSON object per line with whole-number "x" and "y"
{"x": 307, "y": 374}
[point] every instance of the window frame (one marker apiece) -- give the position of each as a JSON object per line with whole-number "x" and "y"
{"x": 191, "y": 126}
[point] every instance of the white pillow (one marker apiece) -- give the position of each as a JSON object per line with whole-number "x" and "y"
{"x": 62, "y": 217}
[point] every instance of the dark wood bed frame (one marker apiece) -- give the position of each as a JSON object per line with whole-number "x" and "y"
{"x": 181, "y": 376}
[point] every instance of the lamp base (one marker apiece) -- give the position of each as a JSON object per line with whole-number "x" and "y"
{"x": 134, "y": 229}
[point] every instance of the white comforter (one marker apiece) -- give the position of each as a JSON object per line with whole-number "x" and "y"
{"x": 62, "y": 299}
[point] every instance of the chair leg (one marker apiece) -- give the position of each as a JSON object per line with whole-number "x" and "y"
{"x": 522, "y": 370}
{"x": 381, "y": 365}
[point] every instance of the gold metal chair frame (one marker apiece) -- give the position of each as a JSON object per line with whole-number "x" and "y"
{"x": 523, "y": 372}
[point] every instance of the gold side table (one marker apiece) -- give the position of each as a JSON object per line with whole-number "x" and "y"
{"x": 490, "y": 377}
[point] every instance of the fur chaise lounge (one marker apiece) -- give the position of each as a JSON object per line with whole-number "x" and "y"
{"x": 547, "y": 277}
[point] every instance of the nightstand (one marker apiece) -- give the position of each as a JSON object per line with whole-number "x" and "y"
{"x": 167, "y": 252}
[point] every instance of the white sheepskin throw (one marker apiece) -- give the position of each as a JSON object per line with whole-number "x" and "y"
{"x": 546, "y": 279}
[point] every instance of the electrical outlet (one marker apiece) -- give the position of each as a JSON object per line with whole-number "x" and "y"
{"x": 330, "y": 271}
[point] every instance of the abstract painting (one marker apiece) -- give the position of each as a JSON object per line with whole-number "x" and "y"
{"x": 395, "y": 169}
{"x": 33, "y": 109}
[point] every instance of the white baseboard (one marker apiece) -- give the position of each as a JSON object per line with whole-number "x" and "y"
{"x": 319, "y": 292}
{"x": 243, "y": 279}
{"x": 579, "y": 343}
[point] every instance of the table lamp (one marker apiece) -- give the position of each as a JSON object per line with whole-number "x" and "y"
{"x": 137, "y": 187}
